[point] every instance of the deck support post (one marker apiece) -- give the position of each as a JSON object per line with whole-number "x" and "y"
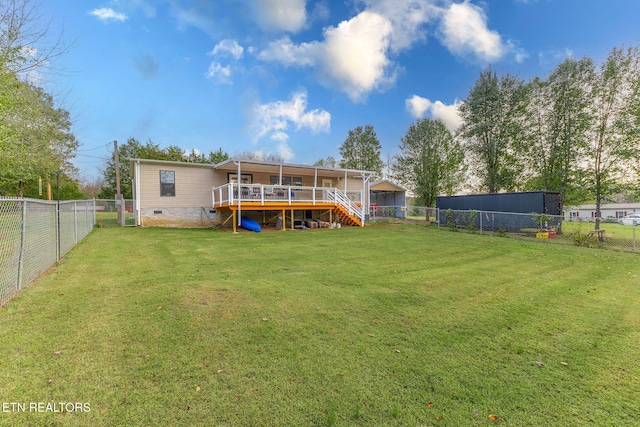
{"x": 235, "y": 223}
{"x": 292, "y": 227}
{"x": 284, "y": 220}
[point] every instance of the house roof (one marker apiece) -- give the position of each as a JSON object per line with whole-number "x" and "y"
{"x": 170, "y": 162}
{"x": 385, "y": 185}
{"x": 288, "y": 168}
{"x": 262, "y": 166}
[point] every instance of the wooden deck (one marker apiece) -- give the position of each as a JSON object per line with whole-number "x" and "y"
{"x": 286, "y": 201}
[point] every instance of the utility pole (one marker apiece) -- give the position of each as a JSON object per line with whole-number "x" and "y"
{"x": 118, "y": 196}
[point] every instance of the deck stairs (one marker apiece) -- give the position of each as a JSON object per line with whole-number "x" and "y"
{"x": 345, "y": 209}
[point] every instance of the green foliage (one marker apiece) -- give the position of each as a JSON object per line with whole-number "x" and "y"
{"x": 361, "y": 150}
{"x": 614, "y": 147}
{"x": 450, "y": 220}
{"x": 133, "y": 149}
{"x": 35, "y": 136}
{"x": 69, "y": 189}
{"x": 329, "y": 162}
{"x": 492, "y": 115}
{"x": 541, "y": 219}
{"x": 431, "y": 161}
{"x": 472, "y": 216}
{"x": 556, "y": 136}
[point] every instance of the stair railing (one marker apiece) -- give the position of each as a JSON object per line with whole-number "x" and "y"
{"x": 340, "y": 198}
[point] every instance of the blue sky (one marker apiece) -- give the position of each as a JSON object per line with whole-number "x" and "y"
{"x": 292, "y": 77}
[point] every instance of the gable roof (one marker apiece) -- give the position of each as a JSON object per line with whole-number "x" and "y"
{"x": 385, "y": 185}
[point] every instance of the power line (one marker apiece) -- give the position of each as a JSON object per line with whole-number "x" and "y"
{"x": 97, "y": 148}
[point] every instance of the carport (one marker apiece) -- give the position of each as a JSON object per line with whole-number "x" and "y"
{"x": 387, "y": 200}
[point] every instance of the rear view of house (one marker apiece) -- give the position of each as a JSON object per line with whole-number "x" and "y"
{"x": 179, "y": 194}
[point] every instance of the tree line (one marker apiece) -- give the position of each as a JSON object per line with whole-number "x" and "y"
{"x": 576, "y": 133}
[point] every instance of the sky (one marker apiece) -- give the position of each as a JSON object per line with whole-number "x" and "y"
{"x": 292, "y": 77}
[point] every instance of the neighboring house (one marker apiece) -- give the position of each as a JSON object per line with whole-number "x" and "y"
{"x": 388, "y": 199}
{"x": 180, "y": 194}
{"x": 607, "y": 210}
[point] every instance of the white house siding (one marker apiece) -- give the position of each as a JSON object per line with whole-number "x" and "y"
{"x": 587, "y": 213}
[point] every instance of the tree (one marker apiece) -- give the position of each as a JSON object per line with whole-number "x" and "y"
{"x": 217, "y": 156}
{"x": 361, "y": 150}
{"x": 329, "y": 162}
{"x": 491, "y": 125}
{"x": 24, "y": 46}
{"x": 558, "y": 120}
{"x": 35, "y": 136}
{"x": 260, "y": 157}
{"x": 431, "y": 161}
{"x": 615, "y": 131}
{"x": 133, "y": 149}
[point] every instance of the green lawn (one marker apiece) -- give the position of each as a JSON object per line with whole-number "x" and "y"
{"x": 616, "y": 230}
{"x": 387, "y": 325}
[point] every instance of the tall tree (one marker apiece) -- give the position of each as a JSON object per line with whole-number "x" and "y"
{"x": 431, "y": 161}
{"x": 614, "y": 143}
{"x": 133, "y": 149}
{"x": 491, "y": 125}
{"x": 361, "y": 150}
{"x": 329, "y": 162}
{"x": 217, "y": 156}
{"x": 35, "y": 136}
{"x": 557, "y": 124}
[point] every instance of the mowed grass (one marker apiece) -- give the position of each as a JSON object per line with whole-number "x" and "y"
{"x": 390, "y": 325}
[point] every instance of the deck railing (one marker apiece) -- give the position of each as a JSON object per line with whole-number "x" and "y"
{"x": 291, "y": 195}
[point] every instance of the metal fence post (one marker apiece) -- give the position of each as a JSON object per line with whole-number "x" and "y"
{"x": 22, "y": 244}
{"x": 633, "y": 227}
{"x": 480, "y": 222}
{"x": 75, "y": 222}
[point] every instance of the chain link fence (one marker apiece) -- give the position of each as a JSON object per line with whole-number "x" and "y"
{"x": 35, "y": 234}
{"x": 547, "y": 228}
{"x": 107, "y": 212}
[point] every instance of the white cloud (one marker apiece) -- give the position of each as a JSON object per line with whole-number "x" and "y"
{"x": 357, "y": 55}
{"x": 274, "y": 119}
{"x": 408, "y": 19}
{"x": 219, "y": 73}
{"x": 228, "y": 47}
{"x": 285, "y": 151}
{"x": 463, "y": 30}
{"x": 418, "y": 107}
{"x": 196, "y": 18}
{"x": 107, "y": 14}
{"x": 353, "y": 55}
{"x": 280, "y": 15}
{"x": 287, "y": 53}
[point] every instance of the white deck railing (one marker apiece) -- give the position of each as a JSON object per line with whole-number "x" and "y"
{"x": 266, "y": 194}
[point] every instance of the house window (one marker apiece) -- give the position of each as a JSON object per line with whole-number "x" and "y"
{"x": 574, "y": 214}
{"x": 286, "y": 180}
{"x": 168, "y": 183}
{"x": 245, "y": 178}
{"x": 621, "y": 214}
